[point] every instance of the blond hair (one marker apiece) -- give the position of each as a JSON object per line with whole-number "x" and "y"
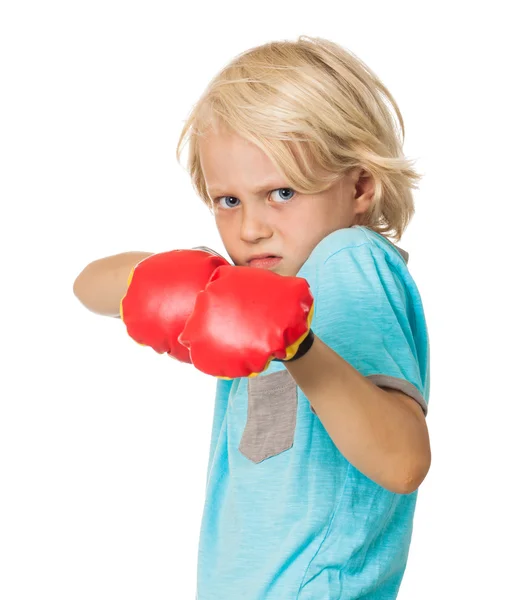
{"x": 317, "y": 111}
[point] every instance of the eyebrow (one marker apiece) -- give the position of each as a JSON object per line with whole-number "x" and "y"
{"x": 216, "y": 190}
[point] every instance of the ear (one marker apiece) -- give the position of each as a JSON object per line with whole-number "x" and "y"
{"x": 364, "y": 190}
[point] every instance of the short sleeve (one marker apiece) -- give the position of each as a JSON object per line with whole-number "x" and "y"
{"x": 367, "y": 313}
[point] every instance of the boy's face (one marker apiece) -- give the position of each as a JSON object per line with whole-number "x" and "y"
{"x": 258, "y": 214}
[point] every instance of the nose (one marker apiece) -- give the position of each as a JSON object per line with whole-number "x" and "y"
{"x": 254, "y": 224}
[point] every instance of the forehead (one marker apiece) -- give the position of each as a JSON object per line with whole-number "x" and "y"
{"x": 227, "y": 159}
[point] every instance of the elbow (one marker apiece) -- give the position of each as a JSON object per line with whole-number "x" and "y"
{"x": 78, "y": 288}
{"x": 413, "y": 478}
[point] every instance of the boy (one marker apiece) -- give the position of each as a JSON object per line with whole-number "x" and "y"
{"x": 315, "y": 461}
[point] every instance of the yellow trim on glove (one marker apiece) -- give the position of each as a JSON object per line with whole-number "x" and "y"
{"x": 120, "y": 304}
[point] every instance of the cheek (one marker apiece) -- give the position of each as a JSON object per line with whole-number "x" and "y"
{"x": 306, "y": 229}
{"x": 222, "y": 225}
{"x": 298, "y": 245}
{"x": 228, "y": 235}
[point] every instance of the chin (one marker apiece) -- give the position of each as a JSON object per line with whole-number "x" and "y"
{"x": 286, "y": 272}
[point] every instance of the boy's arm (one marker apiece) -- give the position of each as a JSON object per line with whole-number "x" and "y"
{"x": 370, "y": 333}
{"x": 382, "y": 432}
{"x": 102, "y": 284}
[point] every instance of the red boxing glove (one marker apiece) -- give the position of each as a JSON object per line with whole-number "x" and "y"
{"x": 244, "y": 319}
{"x": 161, "y": 292}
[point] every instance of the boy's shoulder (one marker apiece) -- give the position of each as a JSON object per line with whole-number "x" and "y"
{"x": 369, "y": 244}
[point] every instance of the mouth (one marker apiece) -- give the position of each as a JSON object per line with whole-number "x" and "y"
{"x": 264, "y": 262}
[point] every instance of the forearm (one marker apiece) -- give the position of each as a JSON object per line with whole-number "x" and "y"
{"x": 374, "y": 429}
{"x": 102, "y": 284}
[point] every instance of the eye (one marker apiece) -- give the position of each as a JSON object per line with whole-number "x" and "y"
{"x": 228, "y": 202}
{"x": 283, "y": 192}
{"x": 233, "y": 202}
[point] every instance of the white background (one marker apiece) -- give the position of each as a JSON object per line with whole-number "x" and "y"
{"x": 103, "y": 443}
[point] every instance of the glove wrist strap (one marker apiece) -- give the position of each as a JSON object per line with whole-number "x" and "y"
{"x": 303, "y": 348}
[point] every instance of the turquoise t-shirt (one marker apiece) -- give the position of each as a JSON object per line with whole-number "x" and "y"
{"x": 286, "y": 516}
